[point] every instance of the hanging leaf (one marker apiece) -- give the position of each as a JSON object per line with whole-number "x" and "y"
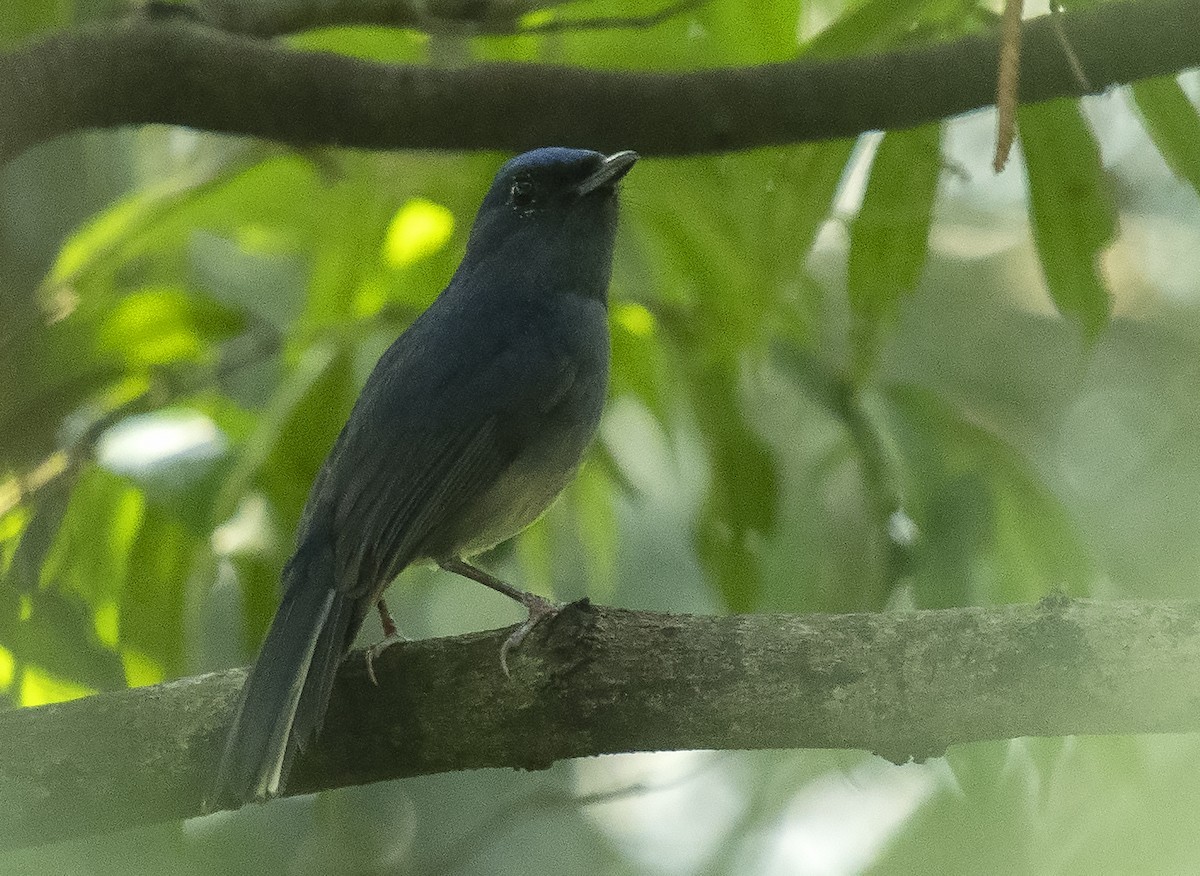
{"x": 889, "y": 238}
{"x": 1173, "y": 124}
{"x": 742, "y": 499}
{"x": 1072, "y": 215}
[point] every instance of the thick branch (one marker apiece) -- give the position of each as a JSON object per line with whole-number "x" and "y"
{"x": 599, "y": 680}
{"x": 292, "y": 16}
{"x": 177, "y": 72}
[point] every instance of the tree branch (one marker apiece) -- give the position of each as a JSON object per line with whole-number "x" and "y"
{"x": 492, "y": 17}
{"x": 599, "y": 680}
{"x": 175, "y": 71}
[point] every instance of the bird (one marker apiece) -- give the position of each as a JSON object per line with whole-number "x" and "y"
{"x": 466, "y": 430}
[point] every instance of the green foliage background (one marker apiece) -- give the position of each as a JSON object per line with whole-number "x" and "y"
{"x": 847, "y": 376}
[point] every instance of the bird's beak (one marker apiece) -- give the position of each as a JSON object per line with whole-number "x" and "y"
{"x": 610, "y": 170}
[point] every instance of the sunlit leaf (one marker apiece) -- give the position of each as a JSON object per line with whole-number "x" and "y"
{"x": 419, "y": 228}
{"x": 57, "y": 634}
{"x": 154, "y": 596}
{"x": 112, "y": 234}
{"x": 872, "y": 25}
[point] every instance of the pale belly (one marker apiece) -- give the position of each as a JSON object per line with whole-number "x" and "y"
{"x": 526, "y": 488}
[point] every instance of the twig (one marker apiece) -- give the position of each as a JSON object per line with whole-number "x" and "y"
{"x": 1007, "y": 82}
{"x": 1056, "y": 22}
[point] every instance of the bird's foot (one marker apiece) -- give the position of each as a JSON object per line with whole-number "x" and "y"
{"x": 539, "y": 609}
{"x": 378, "y": 648}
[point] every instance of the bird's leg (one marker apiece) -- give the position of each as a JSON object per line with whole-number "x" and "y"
{"x": 538, "y": 607}
{"x": 385, "y": 618}
{"x": 390, "y": 637}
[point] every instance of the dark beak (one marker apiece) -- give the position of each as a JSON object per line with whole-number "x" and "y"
{"x": 609, "y": 172}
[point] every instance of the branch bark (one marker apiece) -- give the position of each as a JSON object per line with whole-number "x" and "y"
{"x": 601, "y": 680}
{"x": 178, "y": 72}
{"x": 293, "y": 16}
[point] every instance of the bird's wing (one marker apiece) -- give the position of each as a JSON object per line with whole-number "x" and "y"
{"x": 398, "y": 485}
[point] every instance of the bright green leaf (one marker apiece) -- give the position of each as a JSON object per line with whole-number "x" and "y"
{"x": 419, "y": 228}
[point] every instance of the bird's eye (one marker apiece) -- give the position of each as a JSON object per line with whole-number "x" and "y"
{"x": 522, "y": 192}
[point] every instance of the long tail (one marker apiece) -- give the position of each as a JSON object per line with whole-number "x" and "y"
{"x": 285, "y": 696}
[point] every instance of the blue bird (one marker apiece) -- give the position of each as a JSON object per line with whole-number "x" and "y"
{"x": 465, "y": 432}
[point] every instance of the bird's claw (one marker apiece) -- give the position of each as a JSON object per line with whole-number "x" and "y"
{"x": 377, "y": 649}
{"x": 539, "y": 609}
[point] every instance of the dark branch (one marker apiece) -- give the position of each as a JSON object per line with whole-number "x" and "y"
{"x": 493, "y": 17}
{"x": 599, "y": 680}
{"x": 177, "y": 72}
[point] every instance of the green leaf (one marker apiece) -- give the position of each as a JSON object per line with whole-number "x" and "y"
{"x": 1173, "y": 124}
{"x": 49, "y": 504}
{"x": 591, "y": 496}
{"x": 302, "y": 389}
{"x": 535, "y": 552}
{"x": 305, "y": 438}
{"x": 741, "y": 505}
{"x": 989, "y": 530}
{"x": 57, "y": 595}
{"x": 871, "y": 26}
{"x": 1069, "y": 206}
{"x": 889, "y": 238}
{"x": 90, "y": 554}
{"x": 160, "y": 326}
{"x": 153, "y": 599}
{"x": 127, "y": 226}
{"x": 56, "y": 632}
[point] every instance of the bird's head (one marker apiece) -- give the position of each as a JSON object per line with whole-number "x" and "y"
{"x": 551, "y": 215}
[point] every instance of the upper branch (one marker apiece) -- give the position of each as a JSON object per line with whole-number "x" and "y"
{"x": 598, "y": 680}
{"x": 175, "y": 71}
{"x": 293, "y": 16}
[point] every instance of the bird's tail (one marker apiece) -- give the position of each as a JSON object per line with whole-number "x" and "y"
{"x": 284, "y": 698}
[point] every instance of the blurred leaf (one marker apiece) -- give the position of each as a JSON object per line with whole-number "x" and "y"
{"x": 49, "y": 372}
{"x": 873, "y": 25}
{"x": 305, "y": 438}
{"x": 419, "y": 228}
{"x": 741, "y": 502}
{"x": 20, "y": 20}
{"x": 348, "y": 247}
{"x": 258, "y": 578}
{"x": 989, "y": 530}
{"x": 535, "y": 553}
{"x": 301, "y": 389}
{"x": 56, "y": 632}
{"x": 175, "y": 456}
{"x": 49, "y": 506}
{"x": 153, "y": 599}
{"x": 128, "y": 225}
{"x": 160, "y": 326}
{"x": 889, "y": 238}
{"x": 92, "y": 548}
{"x": 267, "y": 287}
{"x": 637, "y": 356}
{"x": 1069, "y": 207}
{"x": 1172, "y": 123}
{"x": 591, "y": 496}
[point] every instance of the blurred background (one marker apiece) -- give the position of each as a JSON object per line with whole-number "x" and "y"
{"x": 851, "y": 375}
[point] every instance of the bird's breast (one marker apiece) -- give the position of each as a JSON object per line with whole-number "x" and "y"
{"x": 542, "y": 468}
